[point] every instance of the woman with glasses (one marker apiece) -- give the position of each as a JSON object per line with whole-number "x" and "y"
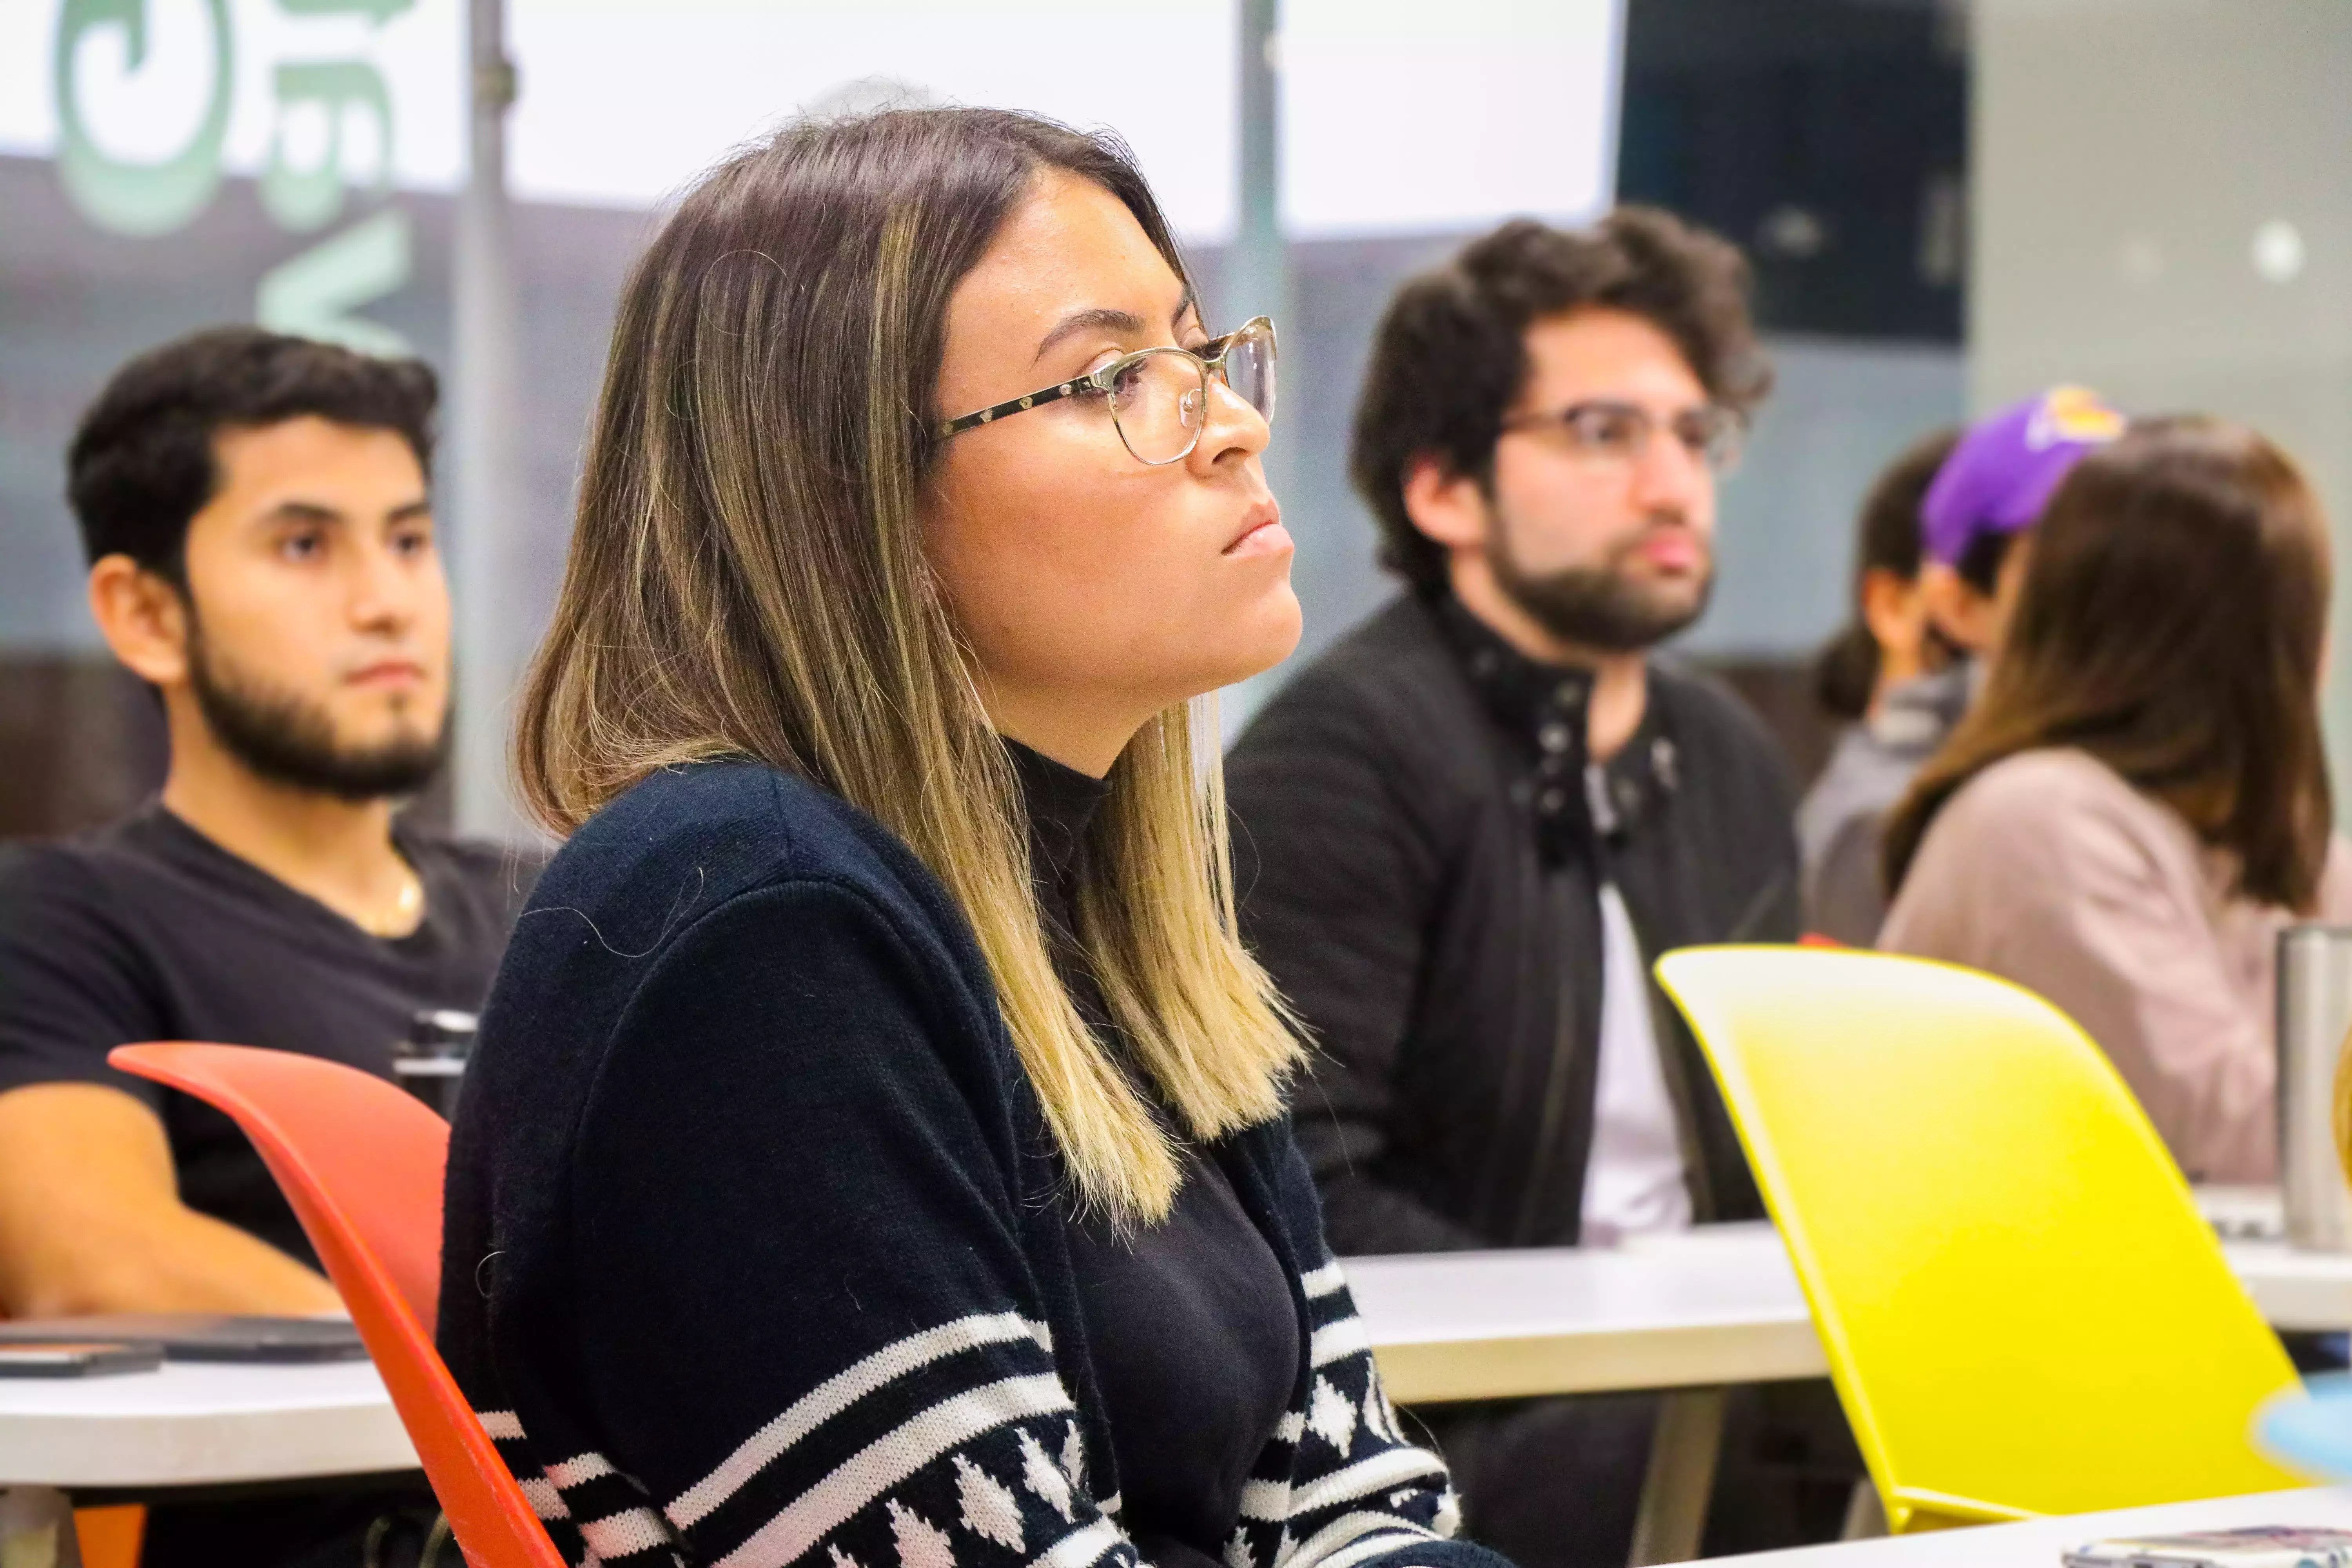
{"x": 874, "y": 1156}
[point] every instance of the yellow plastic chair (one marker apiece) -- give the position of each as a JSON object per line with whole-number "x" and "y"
{"x": 2023, "y": 1311}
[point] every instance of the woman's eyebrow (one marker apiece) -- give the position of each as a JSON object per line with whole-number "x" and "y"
{"x": 1124, "y": 321}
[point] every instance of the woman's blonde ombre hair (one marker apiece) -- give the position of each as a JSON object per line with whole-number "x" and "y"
{"x": 747, "y": 580}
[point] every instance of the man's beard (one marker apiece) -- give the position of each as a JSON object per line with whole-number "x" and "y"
{"x": 282, "y": 738}
{"x": 1603, "y": 607}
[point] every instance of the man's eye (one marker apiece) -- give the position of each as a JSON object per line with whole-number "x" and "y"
{"x": 1610, "y": 430}
{"x": 417, "y": 543}
{"x": 302, "y": 546}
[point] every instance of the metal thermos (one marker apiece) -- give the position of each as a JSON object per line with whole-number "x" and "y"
{"x": 2314, "y": 1013}
{"x": 431, "y": 1062}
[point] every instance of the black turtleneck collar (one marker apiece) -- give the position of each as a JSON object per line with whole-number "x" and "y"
{"x": 1061, "y": 802}
{"x": 1545, "y": 710}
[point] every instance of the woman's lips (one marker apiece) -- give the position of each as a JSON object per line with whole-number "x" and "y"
{"x": 1266, "y": 538}
{"x": 1262, "y": 533}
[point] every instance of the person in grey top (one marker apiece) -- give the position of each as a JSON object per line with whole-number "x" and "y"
{"x": 1898, "y": 684}
{"x": 1971, "y": 508}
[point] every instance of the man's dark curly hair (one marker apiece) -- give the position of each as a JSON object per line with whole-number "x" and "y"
{"x": 141, "y": 463}
{"x": 1450, "y": 356}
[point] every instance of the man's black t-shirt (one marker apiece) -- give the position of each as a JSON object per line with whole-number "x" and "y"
{"x": 149, "y": 930}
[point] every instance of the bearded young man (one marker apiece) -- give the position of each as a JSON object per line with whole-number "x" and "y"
{"x": 1463, "y": 833}
{"x": 255, "y": 512}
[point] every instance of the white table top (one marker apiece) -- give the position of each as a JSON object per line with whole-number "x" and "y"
{"x": 1709, "y": 1307}
{"x": 2039, "y": 1542}
{"x": 1717, "y": 1305}
{"x": 1480, "y": 1325}
{"x": 199, "y": 1423}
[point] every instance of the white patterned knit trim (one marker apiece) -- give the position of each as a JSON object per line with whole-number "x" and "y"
{"x": 1347, "y": 1530}
{"x": 1336, "y": 1341}
{"x": 1363, "y": 1477}
{"x": 890, "y": 1459}
{"x": 1080, "y": 1547}
{"x": 838, "y": 1394}
{"x": 1371, "y": 1546}
{"x": 1328, "y": 1280}
{"x": 544, "y": 1499}
{"x": 619, "y": 1534}
{"x": 582, "y": 1468}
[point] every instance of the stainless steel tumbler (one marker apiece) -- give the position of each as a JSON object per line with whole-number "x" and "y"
{"x": 2315, "y": 1011}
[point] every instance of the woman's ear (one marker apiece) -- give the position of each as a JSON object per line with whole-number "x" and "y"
{"x": 1896, "y": 610}
{"x": 1967, "y": 618}
{"x": 143, "y": 618}
{"x": 1449, "y": 508}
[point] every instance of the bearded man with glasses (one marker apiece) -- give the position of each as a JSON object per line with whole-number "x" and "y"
{"x": 1465, "y": 831}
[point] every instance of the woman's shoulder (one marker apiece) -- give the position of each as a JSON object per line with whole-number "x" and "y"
{"x": 685, "y": 915}
{"x": 2062, "y": 816}
{"x": 686, "y": 839}
{"x": 2035, "y": 831}
{"x": 740, "y": 857}
{"x": 2048, "y": 787}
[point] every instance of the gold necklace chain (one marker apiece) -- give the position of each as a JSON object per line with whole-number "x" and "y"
{"x": 401, "y": 919}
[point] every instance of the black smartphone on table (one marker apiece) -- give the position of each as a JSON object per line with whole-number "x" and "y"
{"x": 76, "y": 1358}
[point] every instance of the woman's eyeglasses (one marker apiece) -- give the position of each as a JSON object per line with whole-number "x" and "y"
{"x": 1621, "y": 433}
{"x": 1159, "y": 399}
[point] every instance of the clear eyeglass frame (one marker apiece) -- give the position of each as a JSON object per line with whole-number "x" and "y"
{"x": 1158, "y": 397}
{"x": 1608, "y": 430}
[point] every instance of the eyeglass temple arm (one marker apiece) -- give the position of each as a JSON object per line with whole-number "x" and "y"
{"x": 1027, "y": 401}
{"x": 1212, "y": 355}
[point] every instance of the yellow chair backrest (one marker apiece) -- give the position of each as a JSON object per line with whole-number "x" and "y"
{"x": 2023, "y": 1311}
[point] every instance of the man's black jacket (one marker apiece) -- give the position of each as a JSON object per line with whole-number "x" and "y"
{"x": 1418, "y": 859}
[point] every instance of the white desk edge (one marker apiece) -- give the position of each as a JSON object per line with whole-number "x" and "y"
{"x": 1691, "y": 1314}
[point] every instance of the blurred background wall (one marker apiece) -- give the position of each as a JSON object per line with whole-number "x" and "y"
{"x": 2160, "y": 210}
{"x": 1881, "y": 161}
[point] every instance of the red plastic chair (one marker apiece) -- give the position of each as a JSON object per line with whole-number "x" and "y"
{"x": 361, "y": 1162}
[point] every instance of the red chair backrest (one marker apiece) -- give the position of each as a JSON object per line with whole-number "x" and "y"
{"x": 361, "y": 1162}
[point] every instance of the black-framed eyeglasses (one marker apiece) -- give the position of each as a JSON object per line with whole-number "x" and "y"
{"x": 1159, "y": 399}
{"x": 1607, "y": 430}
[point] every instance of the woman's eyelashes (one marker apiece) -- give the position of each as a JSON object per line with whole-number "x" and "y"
{"x": 1193, "y": 341}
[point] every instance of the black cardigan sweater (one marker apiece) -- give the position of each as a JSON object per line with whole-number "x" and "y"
{"x": 757, "y": 1249}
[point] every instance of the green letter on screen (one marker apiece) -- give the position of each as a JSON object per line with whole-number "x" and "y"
{"x": 315, "y": 294}
{"x": 137, "y": 198}
{"x": 303, "y": 199}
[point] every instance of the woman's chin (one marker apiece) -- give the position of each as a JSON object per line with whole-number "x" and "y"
{"x": 1225, "y": 649}
{"x": 1264, "y": 635}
